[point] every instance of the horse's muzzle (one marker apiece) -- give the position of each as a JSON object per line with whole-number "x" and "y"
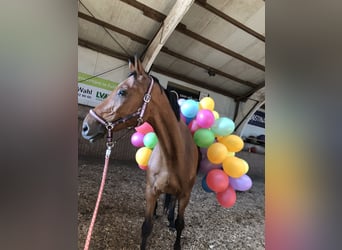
{"x": 91, "y": 133}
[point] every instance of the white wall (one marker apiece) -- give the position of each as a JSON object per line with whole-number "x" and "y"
{"x": 92, "y": 62}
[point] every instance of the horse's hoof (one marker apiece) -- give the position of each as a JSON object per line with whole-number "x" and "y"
{"x": 172, "y": 227}
{"x": 177, "y": 247}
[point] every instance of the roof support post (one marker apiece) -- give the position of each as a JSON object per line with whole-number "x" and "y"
{"x": 168, "y": 26}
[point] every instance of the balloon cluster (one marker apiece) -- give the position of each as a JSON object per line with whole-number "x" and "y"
{"x": 145, "y": 139}
{"x": 224, "y": 172}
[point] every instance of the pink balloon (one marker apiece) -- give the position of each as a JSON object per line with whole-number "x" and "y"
{"x": 143, "y": 167}
{"x": 205, "y": 166}
{"x": 193, "y": 126}
{"x": 137, "y": 139}
{"x": 144, "y": 128}
{"x": 227, "y": 198}
{"x": 205, "y": 118}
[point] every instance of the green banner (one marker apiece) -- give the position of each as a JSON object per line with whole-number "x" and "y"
{"x": 96, "y": 81}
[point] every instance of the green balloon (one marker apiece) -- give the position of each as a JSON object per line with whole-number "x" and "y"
{"x": 204, "y": 137}
{"x": 150, "y": 140}
{"x": 223, "y": 126}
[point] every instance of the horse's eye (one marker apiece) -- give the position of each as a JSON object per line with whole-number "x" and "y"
{"x": 122, "y": 92}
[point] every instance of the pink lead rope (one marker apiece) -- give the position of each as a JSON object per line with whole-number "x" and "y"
{"x": 104, "y": 175}
{"x": 109, "y": 126}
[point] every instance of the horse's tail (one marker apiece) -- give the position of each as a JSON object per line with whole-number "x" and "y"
{"x": 199, "y": 158}
{"x": 167, "y": 202}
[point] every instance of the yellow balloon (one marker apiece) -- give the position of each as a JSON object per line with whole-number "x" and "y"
{"x": 234, "y": 166}
{"x": 246, "y": 165}
{"x": 216, "y": 114}
{"x": 142, "y": 156}
{"x": 207, "y": 103}
{"x": 230, "y": 154}
{"x": 233, "y": 143}
{"x": 216, "y": 153}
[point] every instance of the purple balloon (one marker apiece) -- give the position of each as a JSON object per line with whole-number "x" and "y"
{"x": 205, "y": 166}
{"x": 205, "y": 118}
{"x": 137, "y": 139}
{"x": 242, "y": 183}
{"x": 204, "y": 152}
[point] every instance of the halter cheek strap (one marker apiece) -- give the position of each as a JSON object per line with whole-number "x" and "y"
{"x": 147, "y": 99}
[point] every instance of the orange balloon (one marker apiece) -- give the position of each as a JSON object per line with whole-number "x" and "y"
{"x": 235, "y": 167}
{"x": 233, "y": 143}
{"x": 142, "y": 156}
{"x": 216, "y": 153}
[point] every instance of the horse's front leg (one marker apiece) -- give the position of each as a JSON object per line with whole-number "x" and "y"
{"x": 179, "y": 223}
{"x": 147, "y": 225}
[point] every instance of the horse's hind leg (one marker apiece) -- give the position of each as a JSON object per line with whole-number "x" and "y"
{"x": 147, "y": 225}
{"x": 155, "y": 211}
{"x": 183, "y": 202}
{"x": 171, "y": 204}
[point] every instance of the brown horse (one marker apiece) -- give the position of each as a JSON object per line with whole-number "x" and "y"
{"x": 172, "y": 167}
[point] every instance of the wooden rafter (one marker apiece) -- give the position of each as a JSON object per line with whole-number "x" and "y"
{"x": 120, "y": 56}
{"x": 112, "y": 27}
{"x": 208, "y": 68}
{"x": 164, "y": 49}
{"x": 229, "y": 19}
{"x": 168, "y": 26}
{"x": 193, "y": 81}
{"x": 159, "y": 17}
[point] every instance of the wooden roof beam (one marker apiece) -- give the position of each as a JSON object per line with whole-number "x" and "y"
{"x": 159, "y": 17}
{"x": 192, "y": 81}
{"x": 219, "y": 47}
{"x": 244, "y": 97}
{"x": 160, "y": 70}
{"x": 207, "y": 67}
{"x": 164, "y": 49}
{"x": 168, "y": 26}
{"x": 112, "y": 28}
{"x": 212, "y": 9}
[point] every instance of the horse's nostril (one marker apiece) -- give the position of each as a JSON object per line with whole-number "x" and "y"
{"x": 85, "y": 128}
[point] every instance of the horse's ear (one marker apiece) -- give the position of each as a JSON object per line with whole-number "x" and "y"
{"x": 131, "y": 65}
{"x": 139, "y": 67}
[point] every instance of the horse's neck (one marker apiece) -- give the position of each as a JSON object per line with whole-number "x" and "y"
{"x": 166, "y": 126}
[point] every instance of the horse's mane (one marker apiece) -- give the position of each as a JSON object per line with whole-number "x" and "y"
{"x": 172, "y": 97}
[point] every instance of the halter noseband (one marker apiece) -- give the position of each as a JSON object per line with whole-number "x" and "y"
{"x": 140, "y": 112}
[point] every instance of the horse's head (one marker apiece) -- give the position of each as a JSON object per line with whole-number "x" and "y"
{"x": 122, "y": 107}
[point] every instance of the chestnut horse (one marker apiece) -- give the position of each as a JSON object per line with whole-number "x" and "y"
{"x": 172, "y": 167}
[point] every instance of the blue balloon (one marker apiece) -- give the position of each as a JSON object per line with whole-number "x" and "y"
{"x": 189, "y": 108}
{"x": 205, "y": 186}
{"x": 188, "y": 120}
{"x": 223, "y": 126}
